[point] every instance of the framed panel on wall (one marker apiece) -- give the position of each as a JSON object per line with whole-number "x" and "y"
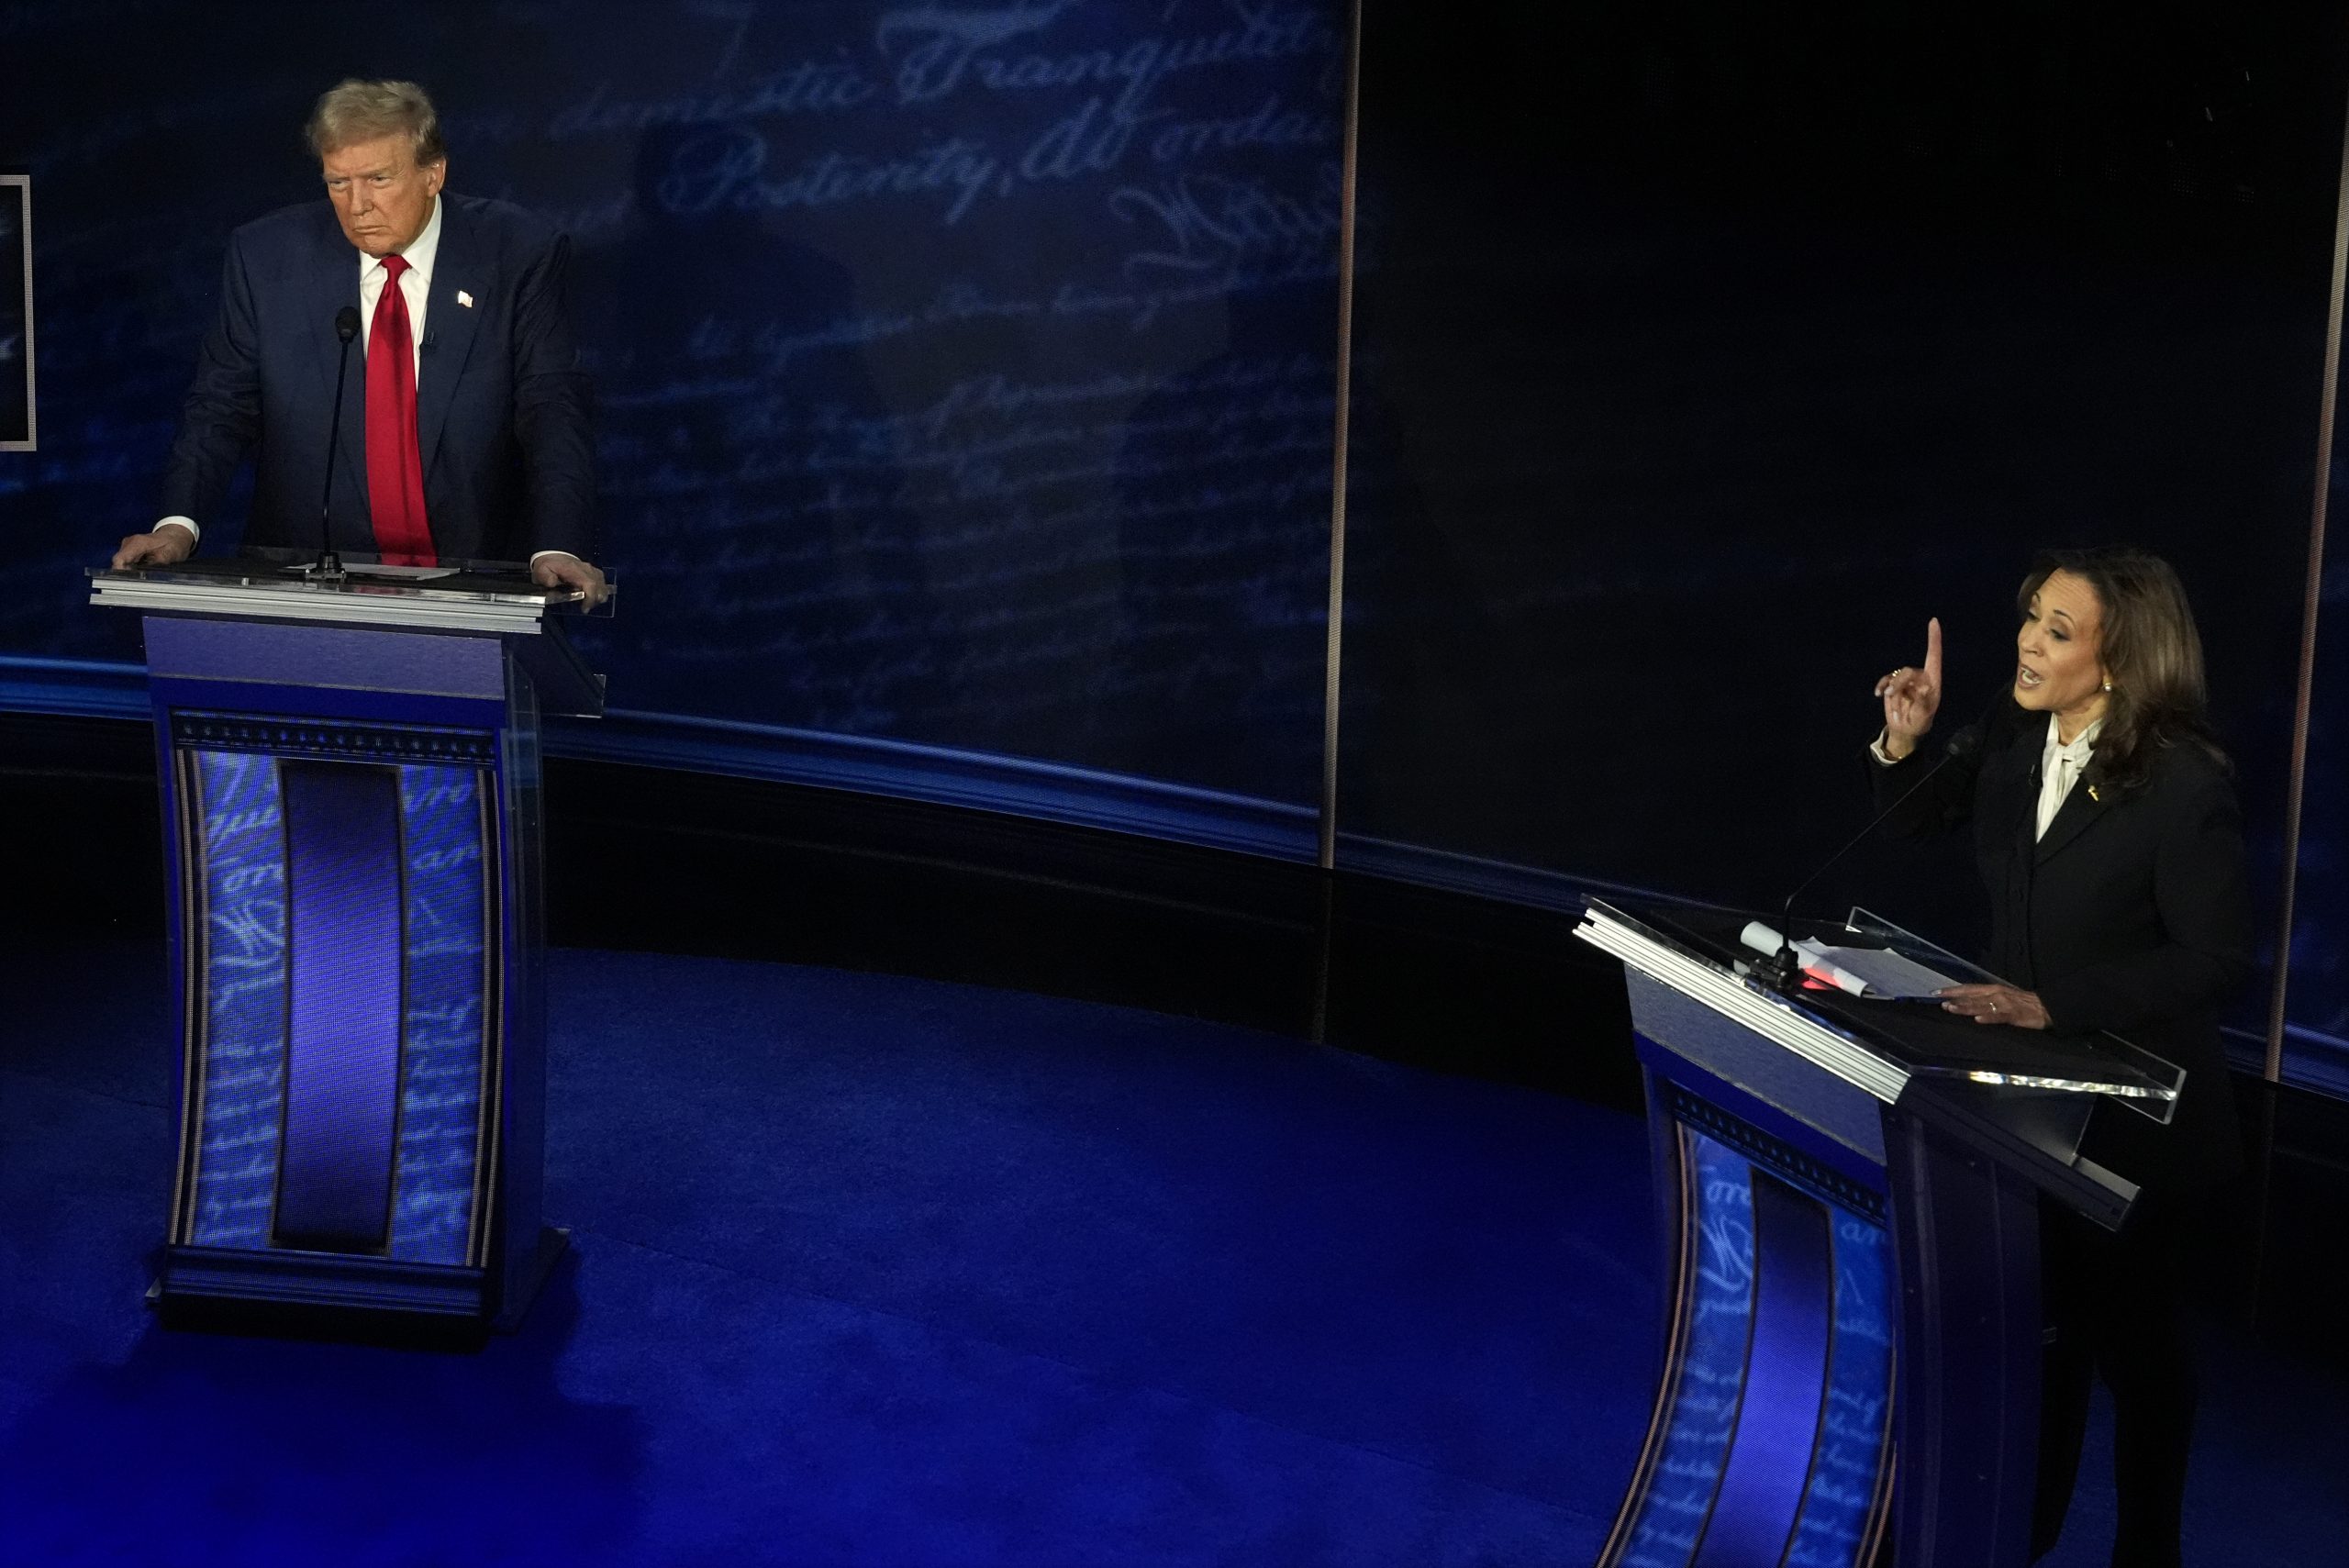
{"x": 16, "y": 429}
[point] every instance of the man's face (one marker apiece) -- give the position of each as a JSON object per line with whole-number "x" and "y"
{"x": 380, "y": 193}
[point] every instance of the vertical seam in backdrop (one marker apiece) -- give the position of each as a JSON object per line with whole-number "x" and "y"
{"x": 1329, "y": 815}
{"x": 2296, "y": 777}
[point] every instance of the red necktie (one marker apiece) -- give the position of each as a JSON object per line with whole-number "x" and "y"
{"x": 395, "y": 466}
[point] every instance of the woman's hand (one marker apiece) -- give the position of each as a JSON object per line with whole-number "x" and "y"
{"x": 1911, "y": 697}
{"x": 1995, "y": 1005}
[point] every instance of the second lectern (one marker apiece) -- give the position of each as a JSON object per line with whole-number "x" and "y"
{"x": 1849, "y": 1192}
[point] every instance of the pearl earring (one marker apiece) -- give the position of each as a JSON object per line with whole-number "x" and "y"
{"x": 2107, "y": 685}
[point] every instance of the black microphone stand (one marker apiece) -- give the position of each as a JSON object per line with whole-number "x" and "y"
{"x": 328, "y": 568}
{"x": 1782, "y": 969}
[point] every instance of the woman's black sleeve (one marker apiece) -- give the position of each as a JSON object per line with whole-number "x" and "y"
{"x": 2202, "y": 895}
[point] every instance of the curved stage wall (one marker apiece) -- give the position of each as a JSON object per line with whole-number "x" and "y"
{"x": 966, "y": 379}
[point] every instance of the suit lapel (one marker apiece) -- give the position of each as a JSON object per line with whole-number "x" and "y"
{"x": 2023, "y": 767}
{"x": 2081, "y": 810}
{"x": 2017, "y": 801}
{"x": 448, "y": 328}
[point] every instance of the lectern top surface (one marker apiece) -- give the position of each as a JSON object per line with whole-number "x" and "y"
{"x": 276, "y": 572}
{"x": 1918, "y": 1036}
{"x": 263, "y": 595}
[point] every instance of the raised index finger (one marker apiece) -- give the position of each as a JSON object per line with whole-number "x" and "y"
{"x": 1933, "y": 652}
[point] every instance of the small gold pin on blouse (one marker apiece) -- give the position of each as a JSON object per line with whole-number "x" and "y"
{"x": 2093, "y": 796}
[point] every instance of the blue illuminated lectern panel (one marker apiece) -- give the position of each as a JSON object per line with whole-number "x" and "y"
{"x": 393, "y": 1040}
{"x": 1772, "y": 1438}
{"x": 448, "y": 1007}
{"x": 240, "y": 1099}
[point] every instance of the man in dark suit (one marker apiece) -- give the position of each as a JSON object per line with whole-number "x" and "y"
{"x": 466, "y": 436}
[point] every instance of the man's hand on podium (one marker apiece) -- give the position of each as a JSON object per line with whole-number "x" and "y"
{"x": 555, "y": 568}
{"x": 168, "y": 546}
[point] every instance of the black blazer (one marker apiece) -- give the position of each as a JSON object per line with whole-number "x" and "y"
{"x": 2132, "y": 914}
{"x": 501, "y": 402}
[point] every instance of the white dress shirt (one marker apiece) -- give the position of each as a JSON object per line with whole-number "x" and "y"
{"x": 416, "y": 287}
{"x": 2059, "y": 767}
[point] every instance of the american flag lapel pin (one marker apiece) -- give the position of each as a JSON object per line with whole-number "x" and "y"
{"x": 464, "y": 299}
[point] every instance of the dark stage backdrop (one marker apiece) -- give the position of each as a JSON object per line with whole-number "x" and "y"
{"x": 16, "y": 426}
{"x": 966, "y": 377}
{"x": 1705, "y": 351}
{"x": 965, "y": 372}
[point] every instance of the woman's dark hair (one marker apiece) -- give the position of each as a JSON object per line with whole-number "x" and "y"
{"x": 2151, "y": 652}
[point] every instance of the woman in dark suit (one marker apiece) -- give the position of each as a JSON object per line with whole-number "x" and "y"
{"x": 2106, "y": 829}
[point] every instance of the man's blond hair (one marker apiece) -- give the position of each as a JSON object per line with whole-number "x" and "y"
{"x": 354, "y": 111}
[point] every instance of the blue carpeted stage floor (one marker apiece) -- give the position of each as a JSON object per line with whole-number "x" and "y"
{"x": 888, "y": 1273}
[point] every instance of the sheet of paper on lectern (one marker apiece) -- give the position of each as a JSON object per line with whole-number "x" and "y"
{"x": 1870, "y": 971}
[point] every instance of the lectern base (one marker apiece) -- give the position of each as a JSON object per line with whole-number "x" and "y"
{"x": 333, "y": 1296}
{"x": 531, "y": 1276}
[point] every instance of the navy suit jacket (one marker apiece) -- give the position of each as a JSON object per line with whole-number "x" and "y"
{"x": 2132, "y": 914}
{"x": 501, "y": 403}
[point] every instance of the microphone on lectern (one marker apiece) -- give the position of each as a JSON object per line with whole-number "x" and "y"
{"x": 1784, "y": 966}
{"x": 329, "y": 565}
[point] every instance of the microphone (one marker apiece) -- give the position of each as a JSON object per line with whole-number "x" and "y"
{"x": 329, "y": 566}
{"x": 1784, "y": 965}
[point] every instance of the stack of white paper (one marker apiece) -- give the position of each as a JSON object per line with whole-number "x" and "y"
{"x": 1863, "y": 972}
